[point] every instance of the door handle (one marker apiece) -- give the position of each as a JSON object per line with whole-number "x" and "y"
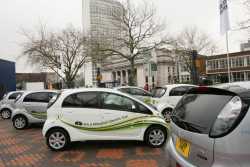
{"x": 78, "y": 123}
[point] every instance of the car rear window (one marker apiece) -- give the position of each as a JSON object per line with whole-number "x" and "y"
{"x": 197, "y": 112}
{"x": 158, "y": 92}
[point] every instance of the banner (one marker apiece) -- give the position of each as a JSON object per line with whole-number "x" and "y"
{"x": 224, "y": 17}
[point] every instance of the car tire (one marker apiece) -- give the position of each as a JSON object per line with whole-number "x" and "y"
{"x": 156, "y": 136}
{"x": 20, "y": 122}
{"x": 166, "y": 114}
{"x": 57, "y": 139}
{"x": 5, "y": 113}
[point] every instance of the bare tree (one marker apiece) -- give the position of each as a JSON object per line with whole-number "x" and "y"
{"x": 138, "y": 32}
{"x": 245, "y": 23}
{"x": 191, "y": 39}
{"x": 64, "y": 52}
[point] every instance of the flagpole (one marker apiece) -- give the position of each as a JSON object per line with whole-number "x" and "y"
{"x": 228, "y": 60}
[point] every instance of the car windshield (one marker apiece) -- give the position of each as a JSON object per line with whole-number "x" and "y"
{"x": 197, "y": 112}
{"x": 158, "y": 92}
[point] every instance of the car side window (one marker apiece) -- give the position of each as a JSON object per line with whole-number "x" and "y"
{"x": 143, "y": 110}
{"x": 138, "y": 92}
{"x": 51, "y": 95}
{"x": 178, "y": 91}
{"x": 125, "y": 90}
{"x": 116, "y": 102}
{"x": 41, "y": 97}
{"x": 14, "y": 96}
{"x": 82, "y": 100}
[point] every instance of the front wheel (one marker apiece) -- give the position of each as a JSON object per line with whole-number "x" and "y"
{"x": 57, "y": 139}
{"x": 5, "y": 113}
{"x": 20, "y": 122}
{"x": 156, "y": 136}
{"x": 166, "y": 114}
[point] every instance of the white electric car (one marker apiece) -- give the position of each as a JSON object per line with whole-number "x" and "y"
{"x": 167, "y": 97}
{"x": 31, "y": 108}
{"x": 102, "y": 114}
{"x": 7, "y": 103}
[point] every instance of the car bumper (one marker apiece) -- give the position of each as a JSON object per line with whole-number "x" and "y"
{"x": 175, "y": 157}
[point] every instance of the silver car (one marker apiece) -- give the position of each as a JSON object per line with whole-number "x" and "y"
{"x": 211, "y": 128}
{"x": 6, "y": 104}
{"x": 31, "y": 108}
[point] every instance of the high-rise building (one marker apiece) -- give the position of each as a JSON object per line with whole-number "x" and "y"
{"x": 98, "y": 21}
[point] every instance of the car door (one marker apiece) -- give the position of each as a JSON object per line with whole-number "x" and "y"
{"x": 36, "y": 104}
{"x": 121, "y": 115}
{"x": 82, "y": 112}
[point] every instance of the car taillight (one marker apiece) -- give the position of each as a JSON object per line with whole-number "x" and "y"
{"x": 227, "y": 118}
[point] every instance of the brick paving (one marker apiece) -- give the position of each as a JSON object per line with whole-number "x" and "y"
{"x": 27, "y": 148}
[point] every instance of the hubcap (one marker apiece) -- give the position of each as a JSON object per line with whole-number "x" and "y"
{"x": 57, "y": 140}
{"x": 156, "y": 137}
{"x": 5, "y": 114}
{"x": 166, "y": 114}
{"x": 20, "y": 122}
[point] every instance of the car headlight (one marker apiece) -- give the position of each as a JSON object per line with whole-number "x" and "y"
{"x": 227, "y": 118}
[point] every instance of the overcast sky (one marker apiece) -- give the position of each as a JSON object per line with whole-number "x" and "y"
{"x": 27, "y": 14}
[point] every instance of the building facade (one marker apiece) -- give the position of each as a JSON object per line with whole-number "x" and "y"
{"x": 50, "y": 79}
{"x": 217, "y": 67}
{"x": 159, "y": 70}
{"x": 98, "y": 22}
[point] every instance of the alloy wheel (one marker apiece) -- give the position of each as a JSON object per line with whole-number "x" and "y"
{"x": 5, "y": 114}
{"x": 156, "y": 137}
{"x": 57, "y": 140}
{"x": 20, "y": 122}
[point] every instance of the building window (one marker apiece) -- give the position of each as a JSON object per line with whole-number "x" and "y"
{"x": 248, "y": 75}
{"x": 237, "y": 62}
{"x": 223, "y": 64}
{"x": 209, "y": 65}
{"x": 238, "y": 76}
{"x": 248, "y": 60}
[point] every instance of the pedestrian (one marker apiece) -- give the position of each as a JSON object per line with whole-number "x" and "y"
{"x": 146, "y": 87}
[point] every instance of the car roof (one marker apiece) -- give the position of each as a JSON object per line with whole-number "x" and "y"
{"x": 135, "y": 87}
{"x": 71, "y": 91}
{"x": 177, "y": 85}
{"x": 37, "y": 91}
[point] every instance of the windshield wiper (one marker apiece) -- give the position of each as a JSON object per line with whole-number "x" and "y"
{"x": 188, "y": 125}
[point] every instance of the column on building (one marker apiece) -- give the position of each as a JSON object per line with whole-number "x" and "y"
{"x": 245, "y": 76}
{"x": 126, "y": 76}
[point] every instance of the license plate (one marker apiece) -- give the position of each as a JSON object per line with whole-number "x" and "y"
{"x": 183, "y": 147}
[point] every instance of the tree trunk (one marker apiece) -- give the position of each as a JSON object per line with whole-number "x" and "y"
{"x": 132, "y": 79}
{"x": 69, "y": 82}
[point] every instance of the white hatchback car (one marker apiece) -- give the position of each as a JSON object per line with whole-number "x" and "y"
{"x": 31, "y": 108}
{"x": 102, "y": 114}
{"x": 7, "y": 103}
{"x": 167, "y": 97}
